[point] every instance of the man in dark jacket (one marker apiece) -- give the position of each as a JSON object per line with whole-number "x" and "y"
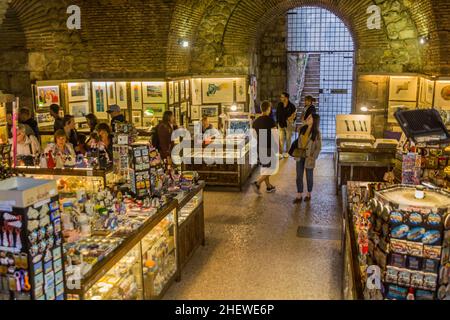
{"x": 59, "y": 122}
{"x": 286, "y": 115}
{"x": 116, "y": 116}
{"x": 25, "y": 117}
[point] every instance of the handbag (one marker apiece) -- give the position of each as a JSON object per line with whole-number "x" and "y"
{"x": 296, "y": 151}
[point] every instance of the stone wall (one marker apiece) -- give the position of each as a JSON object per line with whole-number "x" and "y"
{"x": 273, "y": 61}
{"x": 140, "y": 38}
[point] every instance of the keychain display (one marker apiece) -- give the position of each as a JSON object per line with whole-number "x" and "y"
{"x": 28, "y": 239}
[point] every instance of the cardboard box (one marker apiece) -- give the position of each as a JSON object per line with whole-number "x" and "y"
{"x": 24, "y": 192}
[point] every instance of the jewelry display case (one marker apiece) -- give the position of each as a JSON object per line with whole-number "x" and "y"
{"x": 128, "y": 266}
{"x": 227, "y": 165}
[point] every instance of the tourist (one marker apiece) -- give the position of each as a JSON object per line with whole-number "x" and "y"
{"x": 60, "y": 153}
{"x": 286, "y": 115}
{"x": 69, "y": 129}
{"x": 264, "y": 127}
{"x": 105, "y": 137}
{"x": 92, "y": 122}
{"x": 28, "y": 147}
{"x": 26, "y": 118}
{"x": 164, "y": 131}
{"x": 116, "y": 116}
{"x": 59, "y": 122}
{"x": 310, "y": 108}
{"x": 310, "y": 146}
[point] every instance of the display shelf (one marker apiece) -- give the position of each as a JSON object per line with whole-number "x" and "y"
{"x": 191, "y": 231}
{"x": 135, "y": 239}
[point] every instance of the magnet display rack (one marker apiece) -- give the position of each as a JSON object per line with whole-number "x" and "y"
{"x": 31, "y": 254}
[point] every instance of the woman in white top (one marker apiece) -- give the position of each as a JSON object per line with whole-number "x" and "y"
{"x": 26, "y": 145}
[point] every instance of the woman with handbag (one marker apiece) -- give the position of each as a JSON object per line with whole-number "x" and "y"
{"x": 306, "y": 150}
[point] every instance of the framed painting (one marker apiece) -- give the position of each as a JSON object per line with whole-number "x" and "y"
{"x": 171, "y": 94}
{"x": 122, "y": 95}
{"x": 182, "y": 90}
{"x": 154, "y": 92}
{"x": 158, "y": 109}
{"x": 241, "y": 90}
{"x": 79, "y": 110}
{"x": 210, "y": 111}
{"x": 177, "y": 92}
{"x": 99, "y": 99}
{"x": 137, "y": 118}
{"x": 184, "y": 107}
{"x": 394, "y": 106}
{"x": 188, "y": 89}
{"x": 47, "y": 95}
{"x": 78, "y": 91}
{"x": 218, "y": 91}
{"x": 111, "y": 92}
{"x": 403, "y": 89}
{"x": 196, "y": 91}
{"x": 44, "y": 119}
{"x": 195, "y": 113}
{"x": 442, "y": 95}
{"x": 136, "y": 95}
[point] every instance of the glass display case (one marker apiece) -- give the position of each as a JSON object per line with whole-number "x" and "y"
{"x": 191, "y": 223}
{"x": 71, "y": 180}
{"x": 226, "y": 162}
{"x": 122, "y": 282}
{"x": 137, "y": 266}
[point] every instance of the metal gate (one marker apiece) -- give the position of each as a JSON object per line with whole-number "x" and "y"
{"x": 315, "y": 30}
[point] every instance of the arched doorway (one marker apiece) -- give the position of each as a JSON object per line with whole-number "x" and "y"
{"x": 321, "y": 55}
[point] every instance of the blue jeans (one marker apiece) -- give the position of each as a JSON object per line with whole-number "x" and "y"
{"x": 309, "y": 176}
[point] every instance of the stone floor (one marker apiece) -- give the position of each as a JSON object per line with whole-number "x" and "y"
{"x": 253, "y": 251}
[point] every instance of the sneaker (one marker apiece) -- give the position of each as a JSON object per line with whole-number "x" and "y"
{"x": 256, "y": 187}
{"x": 271, "y": 190}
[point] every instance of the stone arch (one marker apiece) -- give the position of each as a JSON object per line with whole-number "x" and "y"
{"x": 229, "y": 31}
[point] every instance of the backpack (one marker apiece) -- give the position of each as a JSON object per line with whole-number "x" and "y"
{"x": 155, "y": 137}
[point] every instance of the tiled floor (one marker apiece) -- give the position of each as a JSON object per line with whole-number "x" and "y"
{"x": 253, "y": 251}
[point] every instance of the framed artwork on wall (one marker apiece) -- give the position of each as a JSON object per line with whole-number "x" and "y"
{"x": 403, "y": 89}
{"x": 182, "y": 90}
{"x": 171, "y": 94}
{"x": 99, "y": 99}
{"x": 442, "y": 95}
{"x": 210, "y": 111}
{"x": 195, "y": 112}
{"x": 136, "y": 96}
{"x": 241, "y": 90}
{"x": 122, "y": 95}
{"x": 44, "y": 119}
{"x": 158, "y": 109}
{"x": 184, "y": 107}
{"x": 79, "y": 110}
{"x": 394, "y": 106}
{"x": 47, "y": 95}
{"x": 218, "y": 91}
{"x": 196, "y": 91}
{"x": 177, "y": 92}
{"x": 188, "y": 89}
{"x": 111, "y": 93}
{"x": 154, "y": 92}
{"x": 372, "y": 92}
{"x": 137, "y": 118}
{"x": 78, "y": 91}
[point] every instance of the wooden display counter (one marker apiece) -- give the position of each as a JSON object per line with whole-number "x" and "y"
{"x": 362, "y": 164}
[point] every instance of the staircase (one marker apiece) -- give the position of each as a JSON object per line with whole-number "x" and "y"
{"x": 312, "y": 80}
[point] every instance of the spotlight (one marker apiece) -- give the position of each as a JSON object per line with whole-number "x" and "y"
{"x": 423, "y": 40}
{"x": 184, "y": 43}
{"x": 234, "y": 108}
{"x": 364, "y": 109}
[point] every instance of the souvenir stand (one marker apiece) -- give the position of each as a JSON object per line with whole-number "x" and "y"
{"x": 31, "y": 254}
